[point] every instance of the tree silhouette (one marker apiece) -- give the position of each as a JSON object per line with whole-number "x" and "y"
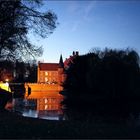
{"x": 109, "y": 78}
{"x": 17, "y": 18}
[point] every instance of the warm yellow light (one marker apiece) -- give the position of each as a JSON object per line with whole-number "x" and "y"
{"x": 6, "y": 80}
{"x": 5, "y": 86}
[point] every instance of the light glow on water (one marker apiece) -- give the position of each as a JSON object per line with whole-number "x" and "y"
{"x": 30, "y": 113}
{"x": 46, "y": 107}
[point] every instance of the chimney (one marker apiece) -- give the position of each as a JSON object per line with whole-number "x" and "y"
{"x": 77, "y": 53}
{"x": 73, "y": 53}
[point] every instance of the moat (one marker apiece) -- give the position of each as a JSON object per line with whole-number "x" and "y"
{"x": 44, "y": 105}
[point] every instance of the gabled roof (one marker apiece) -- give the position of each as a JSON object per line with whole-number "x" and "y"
{"x": 69, "y": 61}
{"x": 48, "y": 66}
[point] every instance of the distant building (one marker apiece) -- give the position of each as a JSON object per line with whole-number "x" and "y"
{"x": 51, "y": 73}
{"x": 6, "y": 70}
{"x": 6, "y": 75}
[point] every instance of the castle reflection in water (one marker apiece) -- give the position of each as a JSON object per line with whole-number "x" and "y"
{"x": 45, "y": 107}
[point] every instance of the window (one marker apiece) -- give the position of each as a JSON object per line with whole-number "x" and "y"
{"x": 46, "y": 79}
{"x": 46, "y": 100}
{"x": 50, "y": 74}
{"x": 46, "y": 73}
{"x": 46, "y": 107}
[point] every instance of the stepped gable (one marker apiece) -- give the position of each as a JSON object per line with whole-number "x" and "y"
{"x": 69, "y": 60}
{"x": 48, "y": 66}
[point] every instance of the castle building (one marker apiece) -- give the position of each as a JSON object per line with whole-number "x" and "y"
{"x": 51, "y": 73}
{"x": 55, "y": 73}
{"x": 50, "y": 76}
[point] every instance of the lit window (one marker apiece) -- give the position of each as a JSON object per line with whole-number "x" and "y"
{"x": 46, "y": 100}
{"x": 46, "y": 73}
{"x": 46, "y": 107}
{"x": 46, "y": 79}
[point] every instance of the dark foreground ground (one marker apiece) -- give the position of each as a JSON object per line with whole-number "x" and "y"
{"x": 14, "y": 126}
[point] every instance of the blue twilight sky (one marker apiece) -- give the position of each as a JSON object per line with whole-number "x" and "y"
{"x": 85, "y": 25}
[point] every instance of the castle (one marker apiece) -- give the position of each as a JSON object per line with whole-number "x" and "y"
{"x": 51, "y": 73}
{"x": 54, "y": 73}
{"x": 50, "y": 77}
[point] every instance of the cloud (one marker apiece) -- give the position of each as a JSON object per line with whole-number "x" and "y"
{"x": 73, "y": 7}
{"x": 80, "y": 12}
{"x": 88, "y": 9}
{"x": 81, "y": 8}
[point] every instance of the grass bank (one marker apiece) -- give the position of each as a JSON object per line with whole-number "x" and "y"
{"x": 14, "y": 126}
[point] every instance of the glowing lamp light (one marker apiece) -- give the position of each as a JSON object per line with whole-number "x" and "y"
{"x": 7, "y": 80}
{"x": 5, "y": 86}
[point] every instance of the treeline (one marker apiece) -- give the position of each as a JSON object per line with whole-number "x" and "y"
{"x": 18, "y": 71}
{"x": 109, "y": 78}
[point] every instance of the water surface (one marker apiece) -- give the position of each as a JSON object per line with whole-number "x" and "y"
{"x": 39, "y": 105}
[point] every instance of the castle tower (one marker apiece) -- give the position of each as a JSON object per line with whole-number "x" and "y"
{"x": 61, "y": 64}
{"x": 60, "y": 70}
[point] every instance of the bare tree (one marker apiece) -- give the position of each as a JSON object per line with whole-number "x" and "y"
{"x": 17, "y": 18}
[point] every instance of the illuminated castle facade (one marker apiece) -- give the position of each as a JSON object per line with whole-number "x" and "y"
{"x": 51, "y": 73}
{"x": 54, "y": 73}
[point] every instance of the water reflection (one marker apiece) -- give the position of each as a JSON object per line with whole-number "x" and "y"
{"x": 45, "y": 107}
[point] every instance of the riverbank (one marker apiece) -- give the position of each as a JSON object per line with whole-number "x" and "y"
{"x": 4, "y": 97}
{"x": 15, "y": 126}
